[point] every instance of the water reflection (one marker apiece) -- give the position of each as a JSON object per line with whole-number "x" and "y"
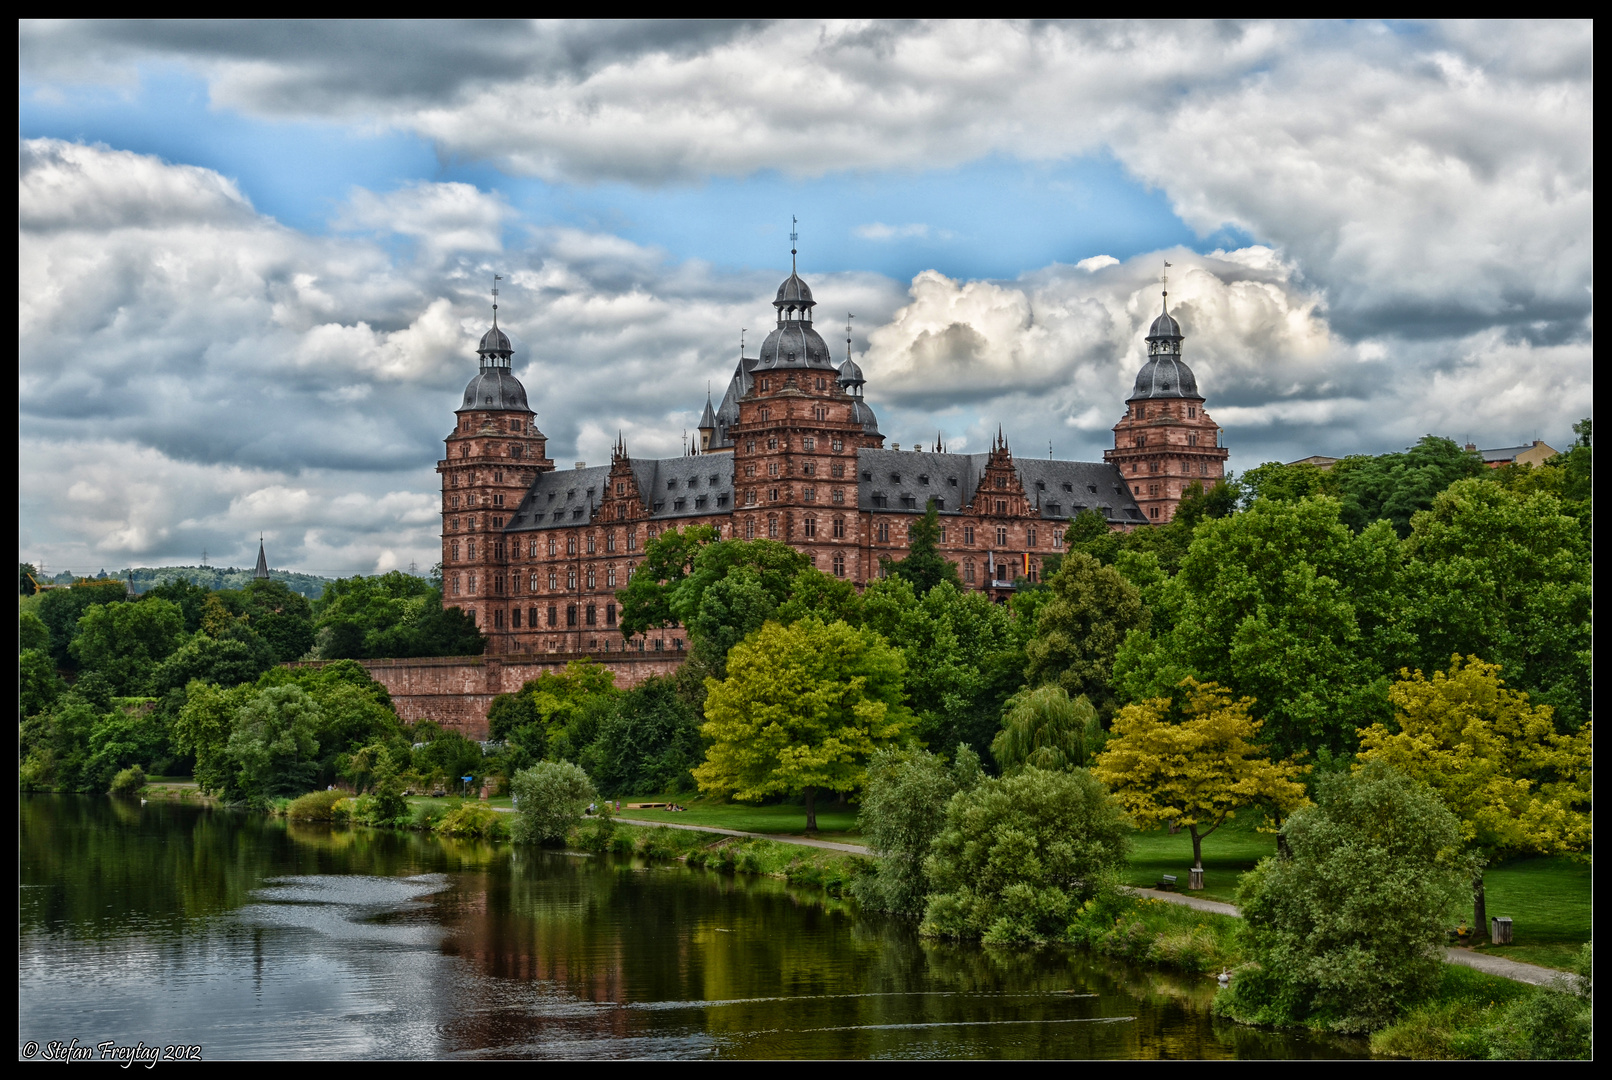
{"x": 173, "y": 923}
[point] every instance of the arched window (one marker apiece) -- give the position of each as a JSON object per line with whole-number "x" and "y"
{"x": 456, "y": 584}
{"x": 554, "y": 581}
{"x": 551, "y": 547}
{"x": 592, "y": 580}
{"x": 968, "y": 571}
{"x": 570, "y": 545}
{"x": 590, "y": 544}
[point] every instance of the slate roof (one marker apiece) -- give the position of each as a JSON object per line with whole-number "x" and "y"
{"x": 566, "y": 498}
{"x": 899, "y": 480}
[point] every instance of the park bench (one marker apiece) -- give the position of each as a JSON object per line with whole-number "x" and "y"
{"x": 1167, "y": 883}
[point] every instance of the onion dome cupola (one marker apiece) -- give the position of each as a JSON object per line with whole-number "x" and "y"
{"x": 1165, "y": 375}
{"x": 495, "y": 386}
{"x": 793, "y": 343}
{"x": 850, "y": 378}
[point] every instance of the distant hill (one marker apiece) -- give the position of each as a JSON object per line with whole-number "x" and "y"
{"x": 209, "y": 577}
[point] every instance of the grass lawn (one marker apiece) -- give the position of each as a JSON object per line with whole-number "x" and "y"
{"x": 1228, "y": 853}
{"x": 448, "y": 802}
{"x": 783, "y": 820}
{"x": 1548, "y": 901}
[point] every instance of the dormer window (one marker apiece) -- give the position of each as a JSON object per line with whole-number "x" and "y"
{"x": 923, "y": 479}
{"x": 671, "y": 485}
{"x": 895, "y": 478}
{"x": 679, "y": 504}
{"x": 1041, "y": 485}
{"x": 1069, "y": 488}
{"x": 1093, "y": 489}
{"x": 951, "y": 480}
{"x": 867, "y": 477}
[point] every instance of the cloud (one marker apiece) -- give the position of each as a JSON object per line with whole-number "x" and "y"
{"x": 877, "y": 230}
{"x": 1431, "y": 179}
{"x": 442, "y": 218}
{"x": 1096, "y": 263}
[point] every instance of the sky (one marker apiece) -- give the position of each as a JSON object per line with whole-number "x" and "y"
{"x": 254, "y": 259}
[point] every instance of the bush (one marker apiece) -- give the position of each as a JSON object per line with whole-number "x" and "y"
{"x": 1349, "y": 928}
{"x": 1555, "y": 1024}
{"x": 1156, "y": 932}
{"x": 1020, "y": 855}
{"x": 315, "y": 806}
{"x": 903, "y": 809}
{"x": 599, "y": 837}
{"x": 473, "y": 819}
{"x": 549, "y": 799}
{"x": 129, "y": 781}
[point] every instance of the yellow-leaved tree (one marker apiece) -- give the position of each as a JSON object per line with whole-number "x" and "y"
{"x": 1517, "y": 784}
{"x": 1191, "y": 759}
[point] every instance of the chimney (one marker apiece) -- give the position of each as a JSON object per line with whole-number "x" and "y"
{"x": 1472, "y": 448}
{"x": 582, "y": 464}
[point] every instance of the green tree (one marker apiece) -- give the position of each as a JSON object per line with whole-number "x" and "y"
{"x": 122, "y": 738}
{"x": 202, "y": 730}
{"x": 1507, "y": 577}
{"x": 1348, "y": 929}
{"x": 647, "y": 599}
{"x": 924, "y": 566}
{"x": 903, "y": 809}
{"x": 648, "y": 742}
{"x": 803, "y": 708}
{"x": 1394, "y": 487}
{"x": 229, "y": 662}
{"x": 1191, "y": 759}
{"x": 61, "y": 609}
{"x": 190, "y": 597}
{"x": 1044, "y": 729}
{"x": 273, "y": 744}
{"x": 1286, "y": 605}
{"x": 125, "y": 642}
{"x": 1020, "y": 854}
{"x": 1516, "y": 785}
{"x": 38, "y": 684}
{"x": 556, "y": 714}
{"x": 549, "y": 800}
{"x": 1285, "y": 483}
{"x": 27, "y": 579}
{"x": 1081, "y": 628}
{"x": 32, "y": 633}
{"x": 391, "y": 615}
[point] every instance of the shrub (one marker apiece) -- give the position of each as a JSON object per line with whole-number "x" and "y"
{"x": 598, "y": 837}
{"x": 129, "y": 781}
{"x": 472, "y": 819}
{"x": 549, "y": 798}
{"x": 1019, "y": 855}
{"x": 1348, "y": 929}
{"x": 903, "y": 809}
{"x": 315, "y": 806}
{"x": 1555, "y": 1024}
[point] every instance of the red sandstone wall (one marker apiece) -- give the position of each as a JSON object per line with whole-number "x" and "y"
{"x": 456, "y": 691}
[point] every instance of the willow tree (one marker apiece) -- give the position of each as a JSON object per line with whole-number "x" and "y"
{"x": 1044, "y": 729}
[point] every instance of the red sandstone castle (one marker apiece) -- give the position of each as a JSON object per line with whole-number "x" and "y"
{"x": 536, "y": 554}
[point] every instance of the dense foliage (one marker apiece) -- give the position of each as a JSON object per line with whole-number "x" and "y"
{"x": 903, "y": 810}
{"x": 550, "y": 798}
{"x": 393, "y": 615}
{"x": 1348, "y": 927}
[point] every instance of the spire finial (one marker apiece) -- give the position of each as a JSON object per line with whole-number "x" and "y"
{"x": 496, "y": 279}
{"x": 848, "y": 318}
{"x": 794, "y": 236}
{"x": 1166, "y": 287}
{"x": 741, "y": 342}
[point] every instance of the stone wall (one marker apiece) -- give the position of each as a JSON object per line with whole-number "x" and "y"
{"x": 456, "y": 691}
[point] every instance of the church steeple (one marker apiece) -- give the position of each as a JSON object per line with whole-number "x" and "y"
{"x": 262, "y": 571}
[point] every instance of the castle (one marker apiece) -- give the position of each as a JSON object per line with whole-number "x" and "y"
{"x": 535, "y": 554}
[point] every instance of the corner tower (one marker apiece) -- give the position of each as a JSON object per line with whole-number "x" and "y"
{"x": 1166, "y": 443}
{"x": 493, "y": 454}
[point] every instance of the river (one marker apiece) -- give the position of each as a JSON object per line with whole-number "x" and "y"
{"x": 251, "y": 937}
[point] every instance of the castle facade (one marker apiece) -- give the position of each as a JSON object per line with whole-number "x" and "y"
{"x": 536, "y": 554}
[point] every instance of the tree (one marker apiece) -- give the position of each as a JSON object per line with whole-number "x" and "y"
{"x": 60, "y": 610}
{"x": 803, "y": 707}
{"x": 38, "y": 684}
{"x": 126, "y": 642}
{"x": 1020, "y": 854}
{"x": 1191, "y": 759}
{"x": 32, "y": 633}
{"x": 229, "y": 662}
{"x": 646, "y": 601}
{"x": 1348, "y": 929}
{"x": 1516, "y": 784}
{"x": 1081, "y": 628}
{"x": 1285, "y": 604}
{"x": 549, "y": 800}
{"x": 273, "y": 744}
{"x": 202, "y": 729}
{"x": 27, "y": 579}
{"x": 394, "y": 615}
{"x": 903, "y": 810}
{"x": 925, "y": 567}
{"x": 648, "y": 741}
{"x": 1043, "y": 729}
{"x": 1506, "y": 577}
{"x": 1394, "y": 487}
{"x": 556, "y": 714}
{"x": 1284, "y": 483}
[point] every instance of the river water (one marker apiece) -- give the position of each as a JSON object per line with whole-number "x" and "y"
{"x": 250, "y": 937}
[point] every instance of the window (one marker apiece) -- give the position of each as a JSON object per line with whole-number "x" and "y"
{"x": 811, "y": 527}
{"x": 909, "y": 502}
{"x": 895, "y": 478}
{"x": 883, "y": 530}
{"x": 774, "y": 495}
{"x": 772, "y": 444}
{"x": 515, "y": 618}
{"x": 839, "y": 528}
{"x": 867, "y": 478}
{"x": 610, "y": 614}
{"x": 551, "y": 547}
{"x": 772, "y": 526}
{"x": 455, "y": 502}
{"x": 1001, "y": 481}
{"x": 610, "y": 542}
{"x": 1203, "y": 468}
{"x": 839, "y": 495}
{"x": 1192, "y": 439}
{"x": 679, "y": 504}
{"x": 553, "y": 581}
{"x": 750, "y": 470}
{"x": 839, "y": 565}
{"x": 837, "y": 444}
{"x": 968, "y": 534}
{"x": 1031, "y": 540}
{"x": 699, "y": 502}
{"x": 472, "y": 584}
{"x": 749, "y": 528}
{"x": 1001, "y": 506}
{"x": 591, "y": 542}
{"x": 592, "y": 579}
{"x": 456, "y": 584}
{"x": 554, "y": 619}
{"x": 632, "y": 539}
{"x": 968, "y": 572}
{"x": 570, "y": 545}
{"x": 808, "y": 494}
{"x": 570, "y": 581}
{"x": 943, "y": 534}
{"x": 1192, "y": 412}
{"x": 881, "y": 499}
{"x": 591, "y": 615}
{"x": 809, "y": 443}
{"x": 772, "y": 468}
{"x": 1001, "y": 536}
{"x": 471, "y": 612}
{"x": 1153, "y": 511}
{"x": 498, "y": 500}
{"x": 766, "y": 414}
{"x": 570, "y": 614}
{"x": 454, "y": 547}
{"x": 471, "y": 549}
{"x": 610, "y": 577}
{"x": 722, "y": 500}
{"x": 750, "y": 497}
{"x": 750, "y": 446}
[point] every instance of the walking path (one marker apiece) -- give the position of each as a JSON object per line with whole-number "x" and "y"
{"x": 829, "y": 845}
{"x": 1515, "y": 970}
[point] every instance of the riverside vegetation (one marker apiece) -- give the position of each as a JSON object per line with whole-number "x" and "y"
{"x": 1276, "y": 650}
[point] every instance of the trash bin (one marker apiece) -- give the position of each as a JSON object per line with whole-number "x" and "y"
{"x": 1500, "y": 930}
{"x": 1195, "y": 878}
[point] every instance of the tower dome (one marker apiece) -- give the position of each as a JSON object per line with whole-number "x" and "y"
{"x": 1165, "y": 375}
{"x": 793, "y": 343}
{"x": 495, "y": 386}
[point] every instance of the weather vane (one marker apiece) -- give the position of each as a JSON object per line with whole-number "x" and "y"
{"x": 1166, "y": 285}
{"x": 496, "y": 279}
{"x": 848, "y": 318}
{"x": 794, "y": 236}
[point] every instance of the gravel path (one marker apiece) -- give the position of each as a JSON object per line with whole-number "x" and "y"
{"x": 829, "y": 845}
{"x": 1515, "y": 970}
